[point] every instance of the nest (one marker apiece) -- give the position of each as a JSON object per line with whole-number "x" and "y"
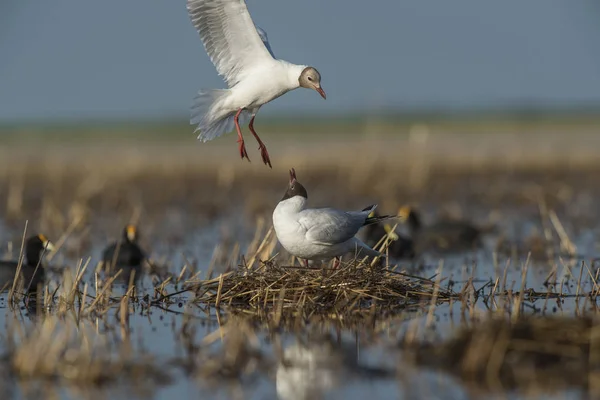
{"x": 351, "y": 289}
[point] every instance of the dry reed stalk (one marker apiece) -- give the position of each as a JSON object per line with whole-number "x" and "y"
{"x": 219, "y": 291}
{"x": 595, "y": 285}
{"x": 578, "y": 290}
{"x": 565, "y": 242}
{"x": 62, "y": 239}
{"x": 544, "y": 216}
{"x": 11, "y": 293}
{"x": 519, "y": 300}
{"x": 99, "y": 296}
{"x": 434, "y": 296}
{"x": 180, "y": 275}
{"x": 82, "y": 303}
{"x": 124, "y": 304}
{"x": 268, "y": 238}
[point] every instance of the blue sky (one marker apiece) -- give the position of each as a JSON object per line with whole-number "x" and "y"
{"x": 64, "y": 59}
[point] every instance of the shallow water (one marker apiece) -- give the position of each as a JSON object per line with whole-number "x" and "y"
{"x": 325, "y": 362}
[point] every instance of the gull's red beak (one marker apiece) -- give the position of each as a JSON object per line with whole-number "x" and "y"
{"x": 321, "y": 92}
{"x": 292, "y": 176}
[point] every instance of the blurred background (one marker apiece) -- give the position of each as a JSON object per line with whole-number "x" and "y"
{"x": 98, "y": 95}
{"x": 137, "y": 60}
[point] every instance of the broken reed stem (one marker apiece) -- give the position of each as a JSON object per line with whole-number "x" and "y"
{"x": 124, "y": 306}
{"x": 519, "y": 300}
{"x": 260, "y": 248}
{"x": 577, "y": 291}
{"x": 565, "y": 241}
{"x": 11, "y": 293}
{"x": 436, "y": 290}
{"x": 180, "y": 276}
{"x": 62, "y": 239}
{"x": 219, "y": 291}
{"x": 104, "y": 289}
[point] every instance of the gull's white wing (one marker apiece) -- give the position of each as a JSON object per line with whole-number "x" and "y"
{"x": 265, "y": 40}
{"x": 330, "y": 226}
{"x": 229, "y": 36}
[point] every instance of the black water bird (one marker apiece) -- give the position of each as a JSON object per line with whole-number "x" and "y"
{"x": 124, "y": 254}
{"x": 32, "y": 266}
{"x": 442, "y": 236}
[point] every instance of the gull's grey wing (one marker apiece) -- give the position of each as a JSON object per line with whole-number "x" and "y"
{"x": 229, "y": 36}
{"x": 265, "y": 40}
{"x": 330, "y": 226}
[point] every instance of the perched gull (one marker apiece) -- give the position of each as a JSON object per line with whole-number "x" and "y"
{"x": 242, "y": 55}
{"x": 319, "y": 233}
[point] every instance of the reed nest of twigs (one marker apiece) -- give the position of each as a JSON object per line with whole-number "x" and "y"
{"x": 545, "y": 353}
{"x": 353, "y": 288}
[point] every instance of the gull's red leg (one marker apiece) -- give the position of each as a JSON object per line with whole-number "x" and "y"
{"x": 336, "y": 262}
{"x": 261, "y": 146}
{"x": 306, "y": 263}
{"x": 242, "y": 146}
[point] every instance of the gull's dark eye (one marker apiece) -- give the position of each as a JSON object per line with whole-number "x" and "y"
{"x": 309, "y": 78}
{"x": 292, "y": 187}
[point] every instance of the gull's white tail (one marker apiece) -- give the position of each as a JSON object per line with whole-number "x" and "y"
{"x": 212, "y": 120}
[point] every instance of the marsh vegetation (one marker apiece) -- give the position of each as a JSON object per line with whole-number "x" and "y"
{"x": 221, "y": 310}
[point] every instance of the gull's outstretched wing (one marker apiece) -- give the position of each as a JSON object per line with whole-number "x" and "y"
{"x": 229, "y": 36}
{"x": 265, "y": 40}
